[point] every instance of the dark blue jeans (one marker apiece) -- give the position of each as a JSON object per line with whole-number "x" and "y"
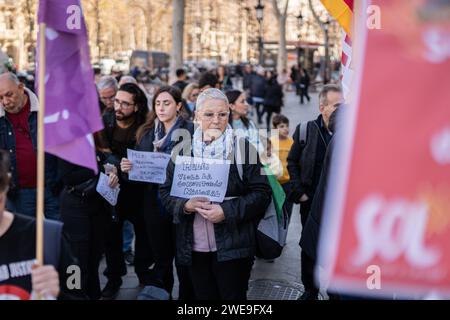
{"x": 24, "y": 202}
{"x": 128, "y": 236}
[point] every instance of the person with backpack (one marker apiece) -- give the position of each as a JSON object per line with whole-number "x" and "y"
{"x": 217, "y": 240}
{"x": 305, "y": 160}
{"x": 309, "y": 239}
{"x": 20, "y": 277}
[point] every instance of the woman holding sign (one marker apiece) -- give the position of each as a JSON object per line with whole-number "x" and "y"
{"x": 217, "y": 240}
{"x": 163, "y": 130}
{"x": 84, "y": 213}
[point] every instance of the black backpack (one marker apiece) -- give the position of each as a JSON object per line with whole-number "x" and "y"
{"x": 303, "y": 136}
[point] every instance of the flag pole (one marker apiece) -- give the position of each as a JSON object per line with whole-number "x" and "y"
{"x": 40, "y": 151}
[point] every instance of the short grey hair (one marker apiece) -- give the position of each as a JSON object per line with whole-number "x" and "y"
{"x": 106, "y": 82}
{"x": 323, "y": 95}
{"x": 11, "y": 77}
{"x": 211, "y": 94}
{"x": 127, "y": 79}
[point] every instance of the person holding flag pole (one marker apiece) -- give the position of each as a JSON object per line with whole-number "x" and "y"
{"x": 42, "y": 275}
{"x": 68, "y": 100}
{"x": 70, "y": 112}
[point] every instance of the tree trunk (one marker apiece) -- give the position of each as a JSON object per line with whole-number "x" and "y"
{"x": 281, "y": 21}
{"x": 176, "y": 60}
{"x": 326, "y": 40}
{"x": 98, "y": 26}
{"x": 282, "y": 52}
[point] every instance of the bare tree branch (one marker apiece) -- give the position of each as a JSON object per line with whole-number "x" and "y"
{"x": 316, "y": 16}
{"x": 276, "y": 10}
{"x": 286, "y": 8}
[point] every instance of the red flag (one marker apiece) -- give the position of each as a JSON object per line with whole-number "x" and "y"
{"x": 387, "y": 215}
{"x": 342, "y": 11}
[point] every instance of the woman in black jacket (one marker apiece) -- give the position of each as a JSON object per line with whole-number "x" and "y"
{"x": 162, "y": 131}
{"x": 84, "y": 214}
{"x": 218, "y": 240}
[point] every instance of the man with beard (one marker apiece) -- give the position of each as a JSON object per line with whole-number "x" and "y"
{"x": 130, "y": 110}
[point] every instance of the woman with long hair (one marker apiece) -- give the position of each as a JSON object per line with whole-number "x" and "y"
{"x": 242, "y": 125}
{"x": 161, "y": 132}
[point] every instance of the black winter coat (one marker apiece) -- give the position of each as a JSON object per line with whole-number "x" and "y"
{"x": 258, "y": 86}
{"x": 274, "y": 95}
{"x": 305, "y": 163}
{"x": 310, "y": 233}
{"x": 236, "y": 235}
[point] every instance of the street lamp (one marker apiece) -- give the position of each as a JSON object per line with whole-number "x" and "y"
{"x": 260, "y": 16}
{"x": 300, "y": 21}
{"x": 326, "y": 25}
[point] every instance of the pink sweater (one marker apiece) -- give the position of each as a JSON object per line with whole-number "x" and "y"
{"x": 204, "y": 238}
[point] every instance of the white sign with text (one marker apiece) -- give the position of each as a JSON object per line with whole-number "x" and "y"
{"x": 200, "y": 177}
{"x": 148, "y": 166}
{"x": 106, "y": 191}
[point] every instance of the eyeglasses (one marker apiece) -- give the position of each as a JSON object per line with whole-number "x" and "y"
{"x": 211, "y": 115}
{"x": 123, "y": 104}
{"x": 111, "y": 98}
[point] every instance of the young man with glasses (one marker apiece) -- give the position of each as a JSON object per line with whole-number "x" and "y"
{"x": 130, "y": 110}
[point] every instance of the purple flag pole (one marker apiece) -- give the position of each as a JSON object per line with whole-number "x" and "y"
{"x": 72, "y": 111}
{"x": 40, "y": 153}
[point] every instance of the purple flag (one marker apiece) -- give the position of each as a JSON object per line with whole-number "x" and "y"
{"x": 72, "y": 111}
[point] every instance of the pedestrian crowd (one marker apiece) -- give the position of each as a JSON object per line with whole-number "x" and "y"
{"x": 210, "y": 245}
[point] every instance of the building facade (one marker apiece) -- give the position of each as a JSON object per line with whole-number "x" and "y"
{"x": 221, "y": 30}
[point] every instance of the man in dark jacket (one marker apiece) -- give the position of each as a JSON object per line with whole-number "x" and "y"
{"x": 304, "y": 85}
{"x": 130, "y": 107}
{"x": 257, "y": 91}
{"x": 181, "y": 79}
{"x": 273, "y": 99}
{"x": 18, "y": 136}
{"x": 310, "y": 233}
{"x": 305, "y": 162}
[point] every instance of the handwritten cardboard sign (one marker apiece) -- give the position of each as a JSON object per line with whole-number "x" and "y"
{"x": 200, "y": 177}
